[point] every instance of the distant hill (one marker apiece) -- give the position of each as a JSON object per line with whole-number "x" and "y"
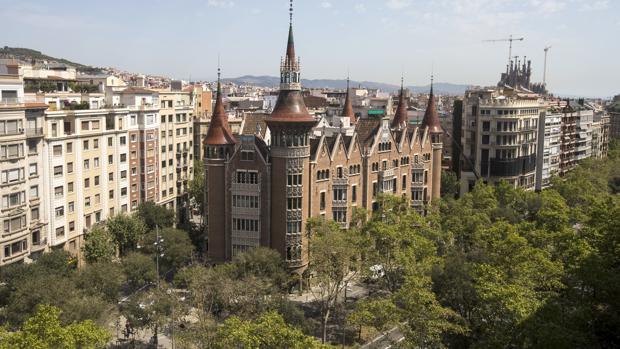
{"x": 272, "y": 81}
{"x": 28, "y": 55}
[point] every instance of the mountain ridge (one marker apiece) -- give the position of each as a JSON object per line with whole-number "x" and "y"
{"x": 272, "y": 81}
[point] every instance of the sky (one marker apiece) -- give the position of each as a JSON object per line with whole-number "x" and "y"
{"x": 374, "y": 40}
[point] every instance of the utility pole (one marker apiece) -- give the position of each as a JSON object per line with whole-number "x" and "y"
{"x": 158, "y": 253}
{"x": 545, "y": 68}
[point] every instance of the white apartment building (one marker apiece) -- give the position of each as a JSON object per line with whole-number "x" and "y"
{"x": 23, "y": 210}
{"x": 500, "y": 132}
{"x": 176, "y": 164}
{"x": 548, "y": 162}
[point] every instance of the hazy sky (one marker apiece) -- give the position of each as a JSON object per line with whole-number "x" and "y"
{"x": 375, "y": 39}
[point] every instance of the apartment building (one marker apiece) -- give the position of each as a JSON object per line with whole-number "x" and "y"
{"x": 500, "y": 133}
{"x": 87, "y": 169}
{"x": 176, "y": 164}
{"x": 23, "y": 211}
{"x": 549, "y": 144}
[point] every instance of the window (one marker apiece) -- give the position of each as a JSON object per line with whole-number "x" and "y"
{"x": 339, "y": 194}
{"x": 96, "y": 162}
{"x": 95, "y": 124}
{"x": 374, "y": 189}
{"x": 60, "y": 231}
{"x": 57, "y": 150}
{"x": 57, "y": 170}
{"x": 123, "y": 174}
{"x": 95, "y": 143}
{"x": 123, "y": 140}
{"x": 97, "y": 199}
{"x": 71, "y": 226}
{"x": 85, "y": 125}
{"x": 245, "y": 201}
{"x": 13, "y": 175}
{"x": 71, "y": 206}
{"x": 124, "y": 193}
{"x": 110, "y": 141}
{"x": 14, "y": 224}
{"x": 322, "y": 201}
{"x": 247, "y": 155}
{"x": 60, "y": 212}
{"x": 111, "y": 194}
{"x": 58, "y": 192}
{"x": 293, "y": 203}
{"x": 110, "y": 159}
{"x": 87, "y": 201}
{"x": 404, "y": 185}
{"x": 123, "y": 158}
{"x": 354, "y": 193}
{"x": 86, "y": 164}
{"x": 70, "y": 187}
{"x": 110, "y": 176}
{"x": 247, "y": 177}
{"x": 293, "y": 179}
{"x": 69, "y": 167}
{"x": 134, "y": 171}
{"x": 34, "y": 214}
{"x": 33, "y": 170}
{"x": 85, "y": 145}
{"x": 96, "y": 180}
{"x": 86, "y": 182}
{"x": 340, "y": 216}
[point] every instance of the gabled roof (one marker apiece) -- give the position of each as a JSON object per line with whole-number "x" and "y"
{"x": 254, "y": 124}
{"x": 366, "y": 129}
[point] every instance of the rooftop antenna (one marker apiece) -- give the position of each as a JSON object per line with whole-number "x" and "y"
{"x": 545, "y": 67}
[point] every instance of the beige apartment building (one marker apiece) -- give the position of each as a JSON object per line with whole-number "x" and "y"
{"x": 176, "y": 149}
{"x": 87, "y": 167}
{"x": 23, "y": 209}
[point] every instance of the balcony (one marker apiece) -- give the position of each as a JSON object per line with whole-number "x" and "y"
{"x": 389, "y": 173}
{"x": 34, "y": 132}
{"x": 38, "y": 245}
{"x": 339, "y": 203}
{"x": 11, "y": 102}
{"x": 340, "y": 181}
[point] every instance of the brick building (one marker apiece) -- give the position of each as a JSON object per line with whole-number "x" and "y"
{"x": 260, "y": 191}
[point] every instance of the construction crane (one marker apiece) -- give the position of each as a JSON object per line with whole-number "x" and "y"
{"x": 545, "y": 67}
{"x": 510, "y": 39}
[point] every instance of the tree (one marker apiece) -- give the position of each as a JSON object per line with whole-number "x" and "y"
{"x": 197, "y": 185}
{"x": 127, "y": 231}
{"x": 154, "y": 215}
{"x": 139, "y": 269}
{"x": 450, "y": 185}
{"x": 99, "y": 246}
{"x": 333, "y": 257}
{"x": 267, "y": 331}
{"x": 103, "y": 279}
{"x": 262, "y": 262}
{"x": 378, "y": 313}
{"x": 177, "y": 248}
{"x": 45, "y": 331}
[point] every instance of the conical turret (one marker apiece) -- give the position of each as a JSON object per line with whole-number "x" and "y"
{"x": 219, "y": 131}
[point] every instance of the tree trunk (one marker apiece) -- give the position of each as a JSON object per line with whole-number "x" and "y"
{"x": 324, "y": 325}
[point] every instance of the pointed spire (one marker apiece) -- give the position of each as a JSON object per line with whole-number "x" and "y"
{"x": 219, "y": 132}
{"x": 348, "y": 107}
{"x": 431, "y": 119}
{"x": 290, "y": 47}
{"x": 400, "y": 117}
{"x": 290, "y": 106}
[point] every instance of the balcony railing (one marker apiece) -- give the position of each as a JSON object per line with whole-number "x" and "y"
{"x": 34, "y": 132}
{"x": 11, "y": 102}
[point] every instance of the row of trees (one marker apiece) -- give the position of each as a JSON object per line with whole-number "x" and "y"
{"x": 499, "y": 267}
